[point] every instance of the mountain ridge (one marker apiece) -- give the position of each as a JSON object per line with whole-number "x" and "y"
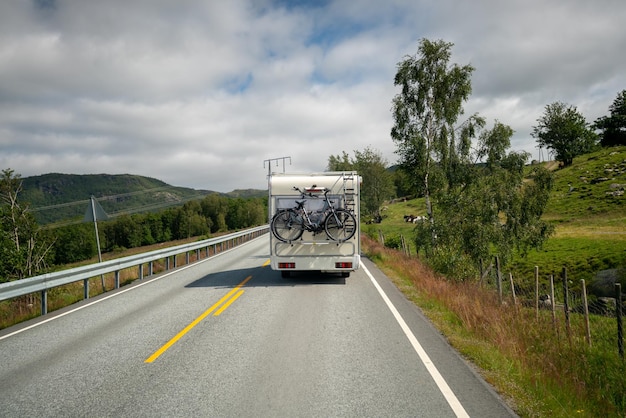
{"x": 58, "y": 197}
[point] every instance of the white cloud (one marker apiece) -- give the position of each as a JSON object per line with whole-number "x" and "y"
{"x": 199, "y": 94}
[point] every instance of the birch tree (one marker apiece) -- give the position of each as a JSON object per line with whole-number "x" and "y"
{"x": 23, "y": 249}
{"x": 426, "y": 111}
{"x": 478, "y": 198}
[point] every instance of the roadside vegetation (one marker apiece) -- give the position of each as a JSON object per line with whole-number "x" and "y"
{"x": 535, "y": 367}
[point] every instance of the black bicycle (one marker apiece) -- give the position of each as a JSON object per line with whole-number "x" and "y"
{"x": 289, "y": 224}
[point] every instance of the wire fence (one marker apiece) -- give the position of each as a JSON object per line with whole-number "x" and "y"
{"x": 562, "y": 296}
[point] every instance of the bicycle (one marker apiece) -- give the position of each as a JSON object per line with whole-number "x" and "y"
{"x": 289, "y": 224}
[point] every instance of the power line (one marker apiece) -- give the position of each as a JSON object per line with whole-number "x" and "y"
{"x": 143, "y": 208}
{"x": 100, "y": 199}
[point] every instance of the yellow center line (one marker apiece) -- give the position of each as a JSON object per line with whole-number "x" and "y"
{"x": 266, "y": 263}
{"x": 197, "y": 321}
{"x": 227, "y": 304}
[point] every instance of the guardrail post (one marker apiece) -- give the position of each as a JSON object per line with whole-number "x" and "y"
{"x": 44, "y": 302}
{"x": 151, "y": 268}
{"x": 117, "y": 279}
{"x": 86, "y": 289}
{"x": 187, "y": 257}
{"x": 140, "y": 271}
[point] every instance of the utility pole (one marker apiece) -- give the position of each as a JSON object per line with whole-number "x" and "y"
{"x": 93, "y": 213}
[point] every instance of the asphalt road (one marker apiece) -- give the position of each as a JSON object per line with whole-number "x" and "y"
{"x": 228, "y": 337}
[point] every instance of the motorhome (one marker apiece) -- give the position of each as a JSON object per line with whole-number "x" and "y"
{"x": 312, "y": 207}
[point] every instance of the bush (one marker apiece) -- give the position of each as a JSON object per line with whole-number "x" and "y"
{"x": 393, "y": 241}
{"x": 452, "y": 264}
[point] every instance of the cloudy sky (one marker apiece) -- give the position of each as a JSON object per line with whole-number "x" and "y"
{"x": 199, "y": 93}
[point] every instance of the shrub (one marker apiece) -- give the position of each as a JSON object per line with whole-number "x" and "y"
{"x": 393, "y": 241}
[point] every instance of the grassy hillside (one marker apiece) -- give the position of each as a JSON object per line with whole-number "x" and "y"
{"x": 587, "y": 207}
{"x": 593, "y": 186}
{"x": 65, "y": 197}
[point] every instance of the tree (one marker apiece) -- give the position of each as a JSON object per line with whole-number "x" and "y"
{"x": 24, "y": 248}
{"x": 339, "y": 162}
{"x": 613, "y": 127}
{"x": 494, "y": 143}
{"x": 377, "y": 180}
{"x": 74, "y": 243}
{"x": 425, "y": 113}
{"x": 215, "y": 208}
{"x": 475, "y": 211}
{"x": 494, "y": 212}
{"x": 564, "y": 130}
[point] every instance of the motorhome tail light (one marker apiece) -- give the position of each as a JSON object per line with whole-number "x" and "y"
{"x": 343, "y": 265}
{"x": 286, "y": 265}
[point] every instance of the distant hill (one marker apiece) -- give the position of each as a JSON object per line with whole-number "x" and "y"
{"x": 64, "y": 198}
{"x": 246, "y": 193}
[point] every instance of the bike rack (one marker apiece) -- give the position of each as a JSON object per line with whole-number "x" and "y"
{"x": 280, "y": 245}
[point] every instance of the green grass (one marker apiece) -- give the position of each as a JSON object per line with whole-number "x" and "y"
{"x": 582, "y": 256}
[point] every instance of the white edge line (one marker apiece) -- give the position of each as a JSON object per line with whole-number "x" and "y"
{"x": 176, "y": 270}
{"x": 434, "y": 373}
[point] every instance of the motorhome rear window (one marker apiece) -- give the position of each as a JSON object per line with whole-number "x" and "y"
{"x": 311, "y": 204}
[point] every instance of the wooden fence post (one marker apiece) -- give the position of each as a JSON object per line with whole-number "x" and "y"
{"x": 499, "y": 279}
{"x": 586, "y": 308}
{"x": 553, "y": 302}
{"x": 513, "y": 290}
{"x": 405, "y": 246}
{"x": 618, "y": 314}
{"x": 537, "y": 293}
{"x": 566, "y": 306}
{"x": 481, "y": 270}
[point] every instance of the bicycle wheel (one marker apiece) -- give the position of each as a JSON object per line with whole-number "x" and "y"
{"x": 287, "y": 225}
{"x": 340, "y": 226}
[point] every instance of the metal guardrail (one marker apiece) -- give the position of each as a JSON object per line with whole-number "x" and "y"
{"x": 44, "y": 282}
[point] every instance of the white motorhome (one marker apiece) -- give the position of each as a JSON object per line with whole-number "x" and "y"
{"x": 315, "y": 250}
